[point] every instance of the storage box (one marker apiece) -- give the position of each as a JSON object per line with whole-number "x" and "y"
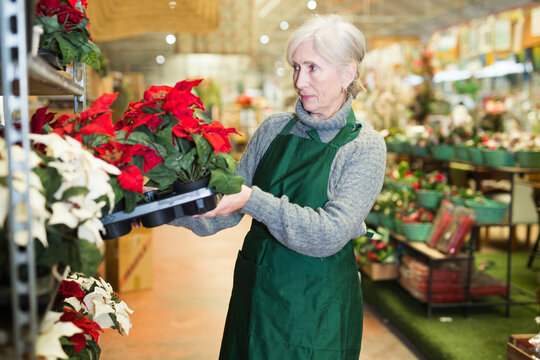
{"x": 129, "y": 262}
{"x": 518, "y": 348}
{"x": 377, "y": 271}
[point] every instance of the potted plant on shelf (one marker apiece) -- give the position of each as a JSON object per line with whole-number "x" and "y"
{"x": 376, "y": 256}
{"x": 431, "y": 188}
{"x": 83, "y": 307}
{"x": 417, "y": 224}
{"x": 66, "y": 33}
{"x": 528, "y": 152}
{"x": 498, "y": 150}
{"x": 94, "y": 129}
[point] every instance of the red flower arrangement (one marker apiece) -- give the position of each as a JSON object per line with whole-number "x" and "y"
{"x": 416, "y": 215}
{"x": 165, "y": 121}
{"x": 95, "y": 130}
{"x": 66, "y": 31}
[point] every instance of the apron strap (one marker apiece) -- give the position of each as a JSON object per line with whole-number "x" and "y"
{"x": 313, "y": 134}
{"x": 348, "y": 132}
{"x": 288, "y": 127}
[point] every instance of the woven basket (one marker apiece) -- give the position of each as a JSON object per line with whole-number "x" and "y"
{"x": 372, "y": 218}
{"x": 429, "y": 198}
{"x": 528, "y": 158}
{"x": 499, "y": 158}
{"x": 489, "y": 212}
{"x": 417, "y": 231}
{"x": 461, "y": 152}
{"x": 399, "y": 226}
{"x": 387, "y": 220}
{"x": 443, "y": 152}
{"x": 420, "y": 150}
{"x": 476, "y": 155}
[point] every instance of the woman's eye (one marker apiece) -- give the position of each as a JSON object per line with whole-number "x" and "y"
{"x": 313, "y": 67}
{"x": 296, "y": 67}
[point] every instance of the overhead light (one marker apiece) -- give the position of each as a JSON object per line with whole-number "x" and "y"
{"x": 280, "y": 71}
{"x": 170, "y": 39}
{"x": 160, "y": 59}
{"x": 284, "y": 25}
{"x": 172, "y": 4}
{"x": 312, "y": 5}
{"x": 264, "y": 39}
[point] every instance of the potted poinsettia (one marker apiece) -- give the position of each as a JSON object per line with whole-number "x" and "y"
{"x": 417, "y": 223}
{"x": 430, "y": 189}
{"x": 94, "y": 129}
{"x": 193, "y": 152}
{"x": 83, "y": 308}
{"x": 66, "y": 33}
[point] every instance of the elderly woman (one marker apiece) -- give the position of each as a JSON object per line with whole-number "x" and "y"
{"x": 311, "y": 179}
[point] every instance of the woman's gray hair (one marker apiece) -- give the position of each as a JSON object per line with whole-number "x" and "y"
{"x": 338, "y": 41}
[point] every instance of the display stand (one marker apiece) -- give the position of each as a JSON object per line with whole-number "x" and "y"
{"x": 515, "y": 174}
{"x": 23, "y": 75}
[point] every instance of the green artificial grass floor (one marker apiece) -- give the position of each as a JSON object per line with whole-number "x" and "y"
{"x": 481, "y": 335}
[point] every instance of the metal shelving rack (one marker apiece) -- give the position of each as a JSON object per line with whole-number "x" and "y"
{"x": 22, "y": 75}
{"x": 515, "y": 175}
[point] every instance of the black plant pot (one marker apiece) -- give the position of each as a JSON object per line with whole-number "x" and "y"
{"x": 120, "y": 228}
{"x": 158, "y": 217}
{"x": 51, "y": 58}
{"x": 199, "y": 206}
{"x": 182, "y": 188}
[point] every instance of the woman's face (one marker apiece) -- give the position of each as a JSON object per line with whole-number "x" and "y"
{"x": 317, "y": 82}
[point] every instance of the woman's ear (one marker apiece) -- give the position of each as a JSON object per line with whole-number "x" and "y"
{"x": 349, "y": 74}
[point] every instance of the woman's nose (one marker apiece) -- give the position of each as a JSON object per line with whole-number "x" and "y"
{"x": 301, "y": 80}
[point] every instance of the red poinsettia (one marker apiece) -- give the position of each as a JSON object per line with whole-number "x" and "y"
{"x": 69, "y": 289}
{"x": 218, "y": 136}
{"x": 89, "y": 327}
{"x": 67, "y": 14}
{"x": 166, "y": 120}
{"x": 121, "y": 155}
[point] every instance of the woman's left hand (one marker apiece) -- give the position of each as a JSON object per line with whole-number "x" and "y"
{"x": 230, "y": 203}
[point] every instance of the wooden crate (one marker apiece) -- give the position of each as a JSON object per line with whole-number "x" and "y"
{"x": 516, "y": 352}
{"x": 377, "y": 271}
{"x": 129, "y": 261}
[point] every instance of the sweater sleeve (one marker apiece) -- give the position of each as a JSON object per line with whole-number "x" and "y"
{"x": 356, "y": 178}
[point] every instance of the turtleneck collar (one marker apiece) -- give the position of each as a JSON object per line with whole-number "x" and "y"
{"x": 336, "y": 121}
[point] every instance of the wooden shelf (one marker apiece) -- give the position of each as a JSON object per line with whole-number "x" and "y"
{"x": 45, "y": 80}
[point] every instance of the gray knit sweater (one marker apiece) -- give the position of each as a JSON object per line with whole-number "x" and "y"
{"x": 356, "y": 177}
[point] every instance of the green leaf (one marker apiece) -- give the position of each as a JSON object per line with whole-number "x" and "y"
{"x": 162, "y": 176}
{"x": 51, "y": 180}
{"x": 187, "y": 161}
{"x": 89, "y": 257}
{"x": 204, "y": 149}
{"x": 92, "y": 59}
{"x": 50, "y": 23}
{"x": 66, "y": 48}
{"x": 225, "y": 182}
{"x": 130, "y": 198}
{"x": 164, "y": 138}
{"x": 139, "y": 137}
{"x": 172, "y": 163}
{"x": 74, "y": 191}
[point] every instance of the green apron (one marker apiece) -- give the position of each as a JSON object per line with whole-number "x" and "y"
{"x": 285, "y": 305}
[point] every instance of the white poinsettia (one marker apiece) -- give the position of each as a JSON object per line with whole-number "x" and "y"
{"x": 36, "y": 199}
{"x": 121, "y": 311}
{"x": 79, "y": 169}
{"x": 99, "y": 304}
{"x": 102, "y": 302}
{"x": 48, "y": 344}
